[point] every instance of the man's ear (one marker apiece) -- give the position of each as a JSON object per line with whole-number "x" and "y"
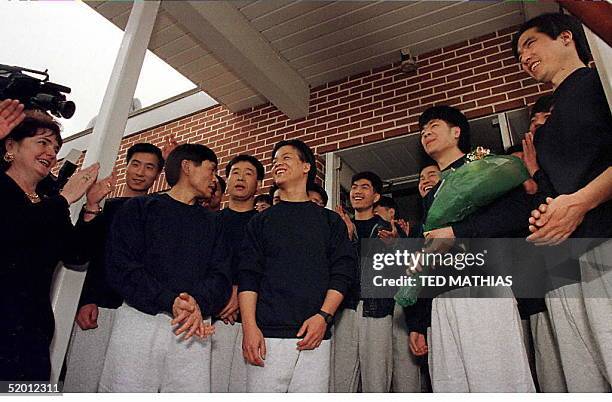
{"x": 566, "y": 37}
{"x": 307, "y": 167}
{"x": 258, "y": 185}
{"x": 456, "y": 132}
{"x": 186, "y": 167}
{"x": 10, "y": 145}
{"x": 376, "y": 198}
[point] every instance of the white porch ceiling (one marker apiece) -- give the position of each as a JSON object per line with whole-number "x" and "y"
{"x": 246, "y": 53}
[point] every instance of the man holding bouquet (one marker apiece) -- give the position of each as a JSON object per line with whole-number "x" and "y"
{"x": 476, "y": 343}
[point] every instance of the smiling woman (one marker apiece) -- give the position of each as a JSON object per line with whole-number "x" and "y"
{"x": 38, "y": 234}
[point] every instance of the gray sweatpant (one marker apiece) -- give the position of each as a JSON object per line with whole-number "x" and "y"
{"x": 362, "y": 352}
{"x": 86, "y": 354}
{"x": 580, "y": 316}
{"x": 547, "y": 359}
{"x": 406, "y": 371}
{"x": 228, "y": 367}
{"x": 144, "y": 355}
{"x": 287, "y": 369}
{"x": 476, "y": 345}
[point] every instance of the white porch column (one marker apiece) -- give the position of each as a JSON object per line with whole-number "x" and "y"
{"x": 103, "y": 147}
{"x": 602, "y": 54}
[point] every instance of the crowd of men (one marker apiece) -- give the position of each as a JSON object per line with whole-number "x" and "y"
{"x": 264, "y": 295}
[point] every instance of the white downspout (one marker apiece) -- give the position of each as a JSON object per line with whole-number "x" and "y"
{"x": 103, "y": 148}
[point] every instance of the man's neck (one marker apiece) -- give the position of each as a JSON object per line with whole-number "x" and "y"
{"x": 129, "y": 193}
{"x": 294, "y": 193}
{"x": 365, "y": 214}
{"x": 447, "y": 158}
{"x": 241, "y": 205}
{"x": 182, "y": 194}
{"x": 566, "y": 71}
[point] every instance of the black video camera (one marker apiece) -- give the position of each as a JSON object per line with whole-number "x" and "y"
{"x": 35, "y": 93}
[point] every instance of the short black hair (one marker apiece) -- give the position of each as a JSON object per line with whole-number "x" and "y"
{"x": 246, "y": 158}
{"x": 263, "y": 198}
{"x": 514, "y": 148}
{"x": 543, "y": 105}
{"x": 386, "y": 202}
{"x": 304, "y": 152}
{"x": 453, "y": 117}
{"x": 552, "y": 24}
{"x": 373, "y": 178}
{"x": 28, "y": 128}
{"x": 221, "y": 183}
{"x": 145, "y": 148}
{"x": 317, "y": 188}
{"x": 196, "y": 153}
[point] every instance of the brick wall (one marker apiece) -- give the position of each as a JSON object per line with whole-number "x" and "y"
{"x": 479, "y": 76}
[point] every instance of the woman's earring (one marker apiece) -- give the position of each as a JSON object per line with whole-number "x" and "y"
{"x": 9, "y": 157}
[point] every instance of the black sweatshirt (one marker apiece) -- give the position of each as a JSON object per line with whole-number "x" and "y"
{"x": 293, "y": 253}
{"x": 36, "y": 237}
{"x": 159, "y": 247}
{"x": 95, "y": 288}
{"x": 234, "y": 224}
{"x": 575, "y": 144}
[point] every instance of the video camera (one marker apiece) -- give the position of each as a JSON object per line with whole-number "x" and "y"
{"x": 35, "y": 93}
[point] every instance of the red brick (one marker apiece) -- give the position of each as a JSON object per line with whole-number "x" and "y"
{"x": 371, "y": 106}
{"x": 469, "y": 49}
{"x": 430, "y": 68}
{"x": 316, "y": 128}
{"x": 447, "y": 87}
{"x": 393, "y": 86}
{"x": 487, "y": 67}
{"x": 361, "y": 88}
{"x": 466, "y": 106}
{"x": 397, "y": 115}
{"x": 326, "y": 119}
{"x": 372, "y": 121}
{"x": 349, "y": 143}
{"x": 509, "y": 30}
{"x": 371, "y": 78}
{"x": 514, "y": 104}
{"x": 373, "y": 91}
{"x": 474, "y": 79}
{"x": 491, "y": 100}
{"x": 393, "y": 101}
{"x": 337, "y": 82}
{"x": 515, "y": 77}
{"x": 362, "y": 116}
{"x": 495, "y": 41}
{"x": 326, "y": 133}
{"x": 459, "y": 75}
{"x": 456, "y": 60}
{"x": 489, "y": 84}
{"x": 500, "y": 56}
{"x": 349, "y": 127}
{"x": 528, "y": 82}
{"x": 360, "y": 75}
{"x": 461, "y": 91}
{"x": 395, "y": 132}
{"x": 348, "y": 113}
{"x": 382, "y": 82}
{"x": 327, "y": 105}
{"x": 338, "y": 95}
{"x": 340, "y": 108}
{"x": 476, "y": 95}
{"x": 432, "y": 83}
{"x": 384, "y": 110}
{"x": 361, "y": 131}
{"x": 338, "y": 137}
{"x": 360, "y": 102}
{"x": 505, "y": 71}
{"x": 483, "y": 53}
{"x": 505, "y": 88}
{"x": 383, "y": 126}
{"x": 407, "y": 90}
{"x": 350, "y": 98}
{"x": 523, "y": 92}
{"x": 469, "y": 65}
{"x": 434, "y": 98}
{"x": 327, "y": 148}
{"x": 338, "y": 123}
{"x": 372, "y": 138}
{"x": 420, "y": 94}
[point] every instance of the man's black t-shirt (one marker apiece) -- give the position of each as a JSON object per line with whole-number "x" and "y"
{"x": 234, "y": 224}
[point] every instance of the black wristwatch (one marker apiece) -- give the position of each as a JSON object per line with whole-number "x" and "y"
{"x": 326, "y": 316}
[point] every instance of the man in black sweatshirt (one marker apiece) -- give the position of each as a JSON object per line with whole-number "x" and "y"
{"x": 363, "y": 337}
{"x": 296, "y": 267}
{"x": 167, "y": 259}
{"x": 98, "y": 303}
{"x": 574, "y": 150}
{"x": 244, "y": 175}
